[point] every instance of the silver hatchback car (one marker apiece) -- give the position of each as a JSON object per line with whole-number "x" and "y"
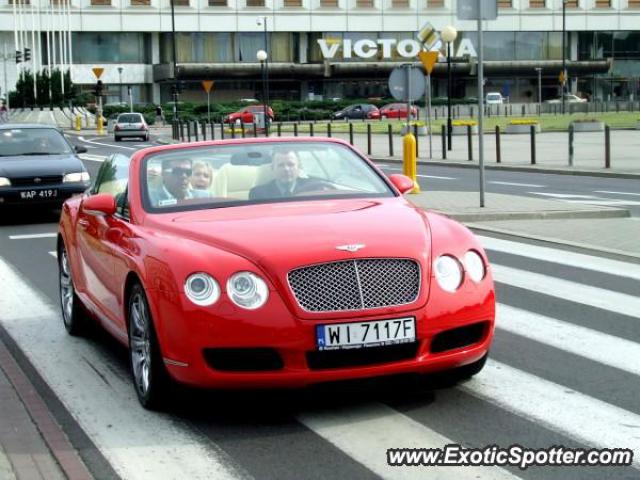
{"x": 131, "y": 125}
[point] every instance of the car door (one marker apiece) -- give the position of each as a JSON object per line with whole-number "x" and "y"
{"x": 357, "y": 112}
{"x": 94, "y": 238}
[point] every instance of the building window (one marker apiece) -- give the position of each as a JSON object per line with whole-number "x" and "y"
{"x": 255, "y": 3}
{"x": 634, "y": 3}
{"x": 25, "y": 2}
{"x": 333, "y": 3}
{"x": 603, "y": 3}
{"x": 364, "y": 3}
{"x": 292, "y": 3}
{"x": 140, "y": 2}
{"x": 100, "y": 2}
{"x": 504, "y": 4}
{"x": 107, "y": 47}
{"x": 217, "y": 3}
{"x": 400, "y": 3}
{"x": 181, "y": 3}
{"x": 536, "y": 3}
{"x": 572, "y": 3}
{"x": 435, "y": 3}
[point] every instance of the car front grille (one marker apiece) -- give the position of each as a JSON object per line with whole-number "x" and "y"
{"x": 36, "y": 180}
{"x": 356, "y": 284}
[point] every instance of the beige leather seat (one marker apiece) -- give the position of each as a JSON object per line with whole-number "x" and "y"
{"x": 235, "y": 181}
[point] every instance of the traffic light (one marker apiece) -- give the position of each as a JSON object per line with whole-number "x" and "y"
{"x": 18, "y": 56}
{"x": 98, "y": 89}
{"x": 27, "y": 54}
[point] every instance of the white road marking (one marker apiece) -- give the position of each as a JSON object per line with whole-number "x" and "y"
{"x": 107, "y": 144}
{"x": 605, "y": 202}
{"x": 617, "y": 193}
{"x": 604, "y": 265}
{"x": 382, "y": 165}
{"x": 514, "y": 184}
{"x": 140, "y": 445}
{"x": 597, "y": 346}
{"x": 143, "y": 146}
{"x": 562, "y": 195}
{"x": 571, "y": 291}
{"x": 33, "y": 235}
{"x": 434, "y": 177}
{"x": 54, "y": 254}
{"x": 366, "y": 432}
{"x": 557, "y": 407}
{"x": 92, "y": 158}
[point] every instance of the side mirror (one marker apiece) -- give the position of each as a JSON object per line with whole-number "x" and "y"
{"x": 403, "y": 183}
{"x": 80, "y": 149}
{"x": 100, "y": 203}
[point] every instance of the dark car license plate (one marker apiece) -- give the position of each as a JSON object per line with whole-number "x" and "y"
{"x": 38, "y": 194}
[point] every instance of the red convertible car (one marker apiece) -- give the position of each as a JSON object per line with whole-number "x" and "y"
{"x": 294, "y": 261}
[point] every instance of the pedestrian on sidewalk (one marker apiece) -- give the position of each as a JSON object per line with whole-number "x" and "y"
{"x": 159, "y": 114}
{"x": 4, "y": 113}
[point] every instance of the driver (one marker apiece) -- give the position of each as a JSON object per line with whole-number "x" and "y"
{"x": 286, "y": 169}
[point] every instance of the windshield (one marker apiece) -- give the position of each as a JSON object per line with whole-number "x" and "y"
{"x": 32, "y": 141}
{"x": 231, "y": 175}
{"x": 130, "y": 118}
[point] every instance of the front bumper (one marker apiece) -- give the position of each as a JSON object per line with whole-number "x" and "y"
{"x": 287, "y": 345}
{"x": 41, "y": 194}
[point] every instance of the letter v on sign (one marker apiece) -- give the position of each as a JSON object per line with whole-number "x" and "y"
{"x": 428, "y": 60}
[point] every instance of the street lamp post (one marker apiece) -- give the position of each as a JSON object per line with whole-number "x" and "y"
{"x": 265, "y": 73}
{"x": 449, "y": 35}
{"x": 539, "y": 70}
{"x": 564, "y": 54}
{"x": 120, "y": 69}
{"x": 175, "y": 67}
{"x": 262, "y": 58}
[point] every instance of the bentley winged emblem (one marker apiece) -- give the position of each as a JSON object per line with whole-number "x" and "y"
{"x": 354, "y": 247}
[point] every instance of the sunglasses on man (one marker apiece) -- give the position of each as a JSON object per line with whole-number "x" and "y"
{"x": 179, "y": 171}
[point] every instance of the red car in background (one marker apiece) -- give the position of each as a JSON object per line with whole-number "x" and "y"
{"x": 247, "y": 284}
{"x": 245, "y": 115}
{"x": 397, "y": 110}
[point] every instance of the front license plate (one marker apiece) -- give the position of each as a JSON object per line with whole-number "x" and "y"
{"x": 366, "y": 334}
{"x": 38, "y": 194}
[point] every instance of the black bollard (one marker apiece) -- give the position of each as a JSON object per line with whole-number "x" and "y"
{"x": 498, "y": 153}
{"x": 533, "y": 144}
{"x": 295, "y": 129}
{"x": 607, "y": 146}
{"x": 279, "y": 129}
{"x": 390, "y": 135}
{"x": 351, "y": 133}
{"x": 188, "y": 131}
{"x": 329, "y": 129}
{"x": 368, "y": 139}
{"x": 311, "y": 129}
{"x": 444, "y": 142}
{"x": 470, "y": 142}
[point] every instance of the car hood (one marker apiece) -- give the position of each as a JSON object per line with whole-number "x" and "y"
{"x": 281, "y": 236}
{"x": 27, "y": 166}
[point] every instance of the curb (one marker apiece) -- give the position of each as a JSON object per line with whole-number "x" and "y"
{"x": 588, "y": 248}
{"x": 516, "y": 168}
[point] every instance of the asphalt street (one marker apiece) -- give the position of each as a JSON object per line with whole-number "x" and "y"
{"x": 562, "y": 372}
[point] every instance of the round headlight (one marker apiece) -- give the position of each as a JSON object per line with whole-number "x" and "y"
{"x": 247, "y": 290}
{"x": 448, "y": 272}
{"x": 202, "y": 289}
{"x": 474, "y": 265}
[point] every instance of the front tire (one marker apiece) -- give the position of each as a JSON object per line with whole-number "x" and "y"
{"x": 73, "y": 313}
{"x": 150, "y": 378}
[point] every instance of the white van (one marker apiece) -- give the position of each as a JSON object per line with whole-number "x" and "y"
{"x": 494, "y": 98}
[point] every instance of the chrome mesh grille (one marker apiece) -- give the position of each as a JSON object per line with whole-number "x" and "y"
{"x": 356, "y": 284}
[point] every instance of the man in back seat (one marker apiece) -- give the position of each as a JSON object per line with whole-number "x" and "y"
{"x": 286, "y": 170}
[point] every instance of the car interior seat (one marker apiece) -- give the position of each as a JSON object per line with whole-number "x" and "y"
{"x": 236, "y": 178}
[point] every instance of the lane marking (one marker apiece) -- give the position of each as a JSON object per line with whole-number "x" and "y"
{"x": 605, "y": 202}
{"x": 107, "y": 144}
{"x": 436, "y": 177}
{"x": 617, "y": 193}
{"x": 584, "y": 342}
{"x": 54, "y": 254}
{"x": 571, "y": 259}
{"x": 366, "y": 432}
{"x": 143, "y": 146}
{"x": 557, "y": 407}
{"x": 514, "y": 184}
{"x": 562, "y": 195}
{"x": 139, "y": 444}
{"x": 574, "y": 292}
{"x": 33, "y": 235}
{"x": 92, "y": 158}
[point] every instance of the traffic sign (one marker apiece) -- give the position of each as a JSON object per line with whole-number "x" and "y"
{"x": 207, "y": 85}
{"x": 398, "y": 84}
{"x": 561, "y": 78}
{"x": 97, "y": 71}
{"x": 428, "y": 60}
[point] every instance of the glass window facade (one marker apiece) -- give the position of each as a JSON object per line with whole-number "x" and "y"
{"x": 121, "y": 47}
{"x": 609, "y": 44}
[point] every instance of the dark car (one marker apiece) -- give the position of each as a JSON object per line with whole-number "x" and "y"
{"x": 38, "y": 165}
{"x": 357, "y": 111}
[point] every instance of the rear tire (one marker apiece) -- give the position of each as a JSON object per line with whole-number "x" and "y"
{"x": 150, "y": 378}
{"x": 117, "y": 139}
{"x": 74, "y": 315}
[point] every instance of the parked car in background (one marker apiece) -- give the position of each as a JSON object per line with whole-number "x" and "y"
{"x": 131, "y": 125}
{"x": 38, "y": 165}
{"x": 397, "y": 110}
{"x": 568, "y": 98}
{"x": 245, "y": 115}
{"x": 357, "y": 111}
{"x": 494, "y": 98}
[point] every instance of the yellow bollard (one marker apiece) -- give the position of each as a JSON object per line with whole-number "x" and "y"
{"x": 409, "y": 162}
{"x": 78, "y": 123}
{"x": 100, "y": 125}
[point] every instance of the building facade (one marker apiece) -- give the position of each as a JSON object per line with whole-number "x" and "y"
{"x": 325, "y": 48}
